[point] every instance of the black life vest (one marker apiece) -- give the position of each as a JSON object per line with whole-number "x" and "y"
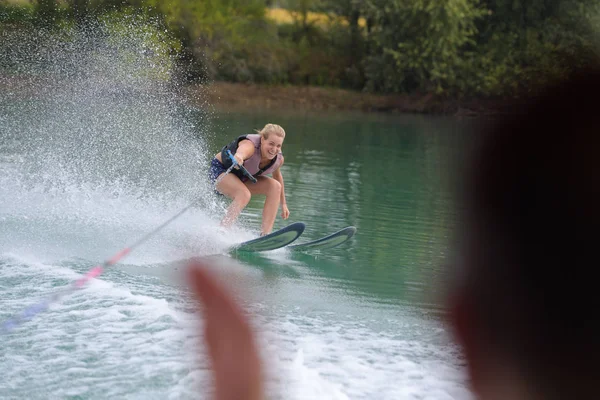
{"x": 232, "y": 147}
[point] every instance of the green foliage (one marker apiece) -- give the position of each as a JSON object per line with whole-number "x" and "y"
{"x": 447, "y": 47}
{"x": 346, "y": 33}
{"x": 524, "y": 44}
{"x": 226, "y": 39}
{"x": 15, "y": 14}
{"x": 424, "y": 41}
{"x": 141, "y": 43}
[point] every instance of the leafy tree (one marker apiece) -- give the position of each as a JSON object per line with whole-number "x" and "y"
{"x": 420, "y": 44}
{"x": 347, "y": 33}
{"x": 530, "y": 42}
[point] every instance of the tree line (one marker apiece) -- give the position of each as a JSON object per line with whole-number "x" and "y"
{"x": 454, "y": 48}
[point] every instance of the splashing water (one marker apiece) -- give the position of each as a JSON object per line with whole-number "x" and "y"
{"x": 105, "y": 108}
{"x": 96, "y": 134}
{"x": 98, "y": 146}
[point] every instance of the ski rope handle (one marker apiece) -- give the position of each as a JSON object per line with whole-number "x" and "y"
{"x": 241, "y": 167}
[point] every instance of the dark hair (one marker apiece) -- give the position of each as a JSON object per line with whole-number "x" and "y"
{"x": 532, "y": 238}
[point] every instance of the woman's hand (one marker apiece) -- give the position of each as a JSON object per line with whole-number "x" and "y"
{"x": 285, "y": 212}
{"x": 238, "y": 159}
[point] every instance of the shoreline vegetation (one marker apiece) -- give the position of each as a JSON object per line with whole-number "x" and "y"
{"x": 465, "y": 57}
{"x": 245, "y": 96}
{"x": 250, "y": 96}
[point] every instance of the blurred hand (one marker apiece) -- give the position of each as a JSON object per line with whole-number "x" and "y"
{"x": 239, "y": 160}
{"x": 236, "y": 365}
{"x": 285, "y": 212}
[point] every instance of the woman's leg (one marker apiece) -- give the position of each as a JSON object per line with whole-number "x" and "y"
{"x": 272, "y": 189}
{"x": 232, "y": 187}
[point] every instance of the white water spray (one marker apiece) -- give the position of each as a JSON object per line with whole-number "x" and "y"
{"x": 98, "y": 146}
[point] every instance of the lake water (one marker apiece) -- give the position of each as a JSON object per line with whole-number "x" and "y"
{"x": 88, "y": 166}
{"x": 390, "y": 176}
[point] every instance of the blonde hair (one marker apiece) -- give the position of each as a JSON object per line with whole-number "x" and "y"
{"x": 271, "y": 128}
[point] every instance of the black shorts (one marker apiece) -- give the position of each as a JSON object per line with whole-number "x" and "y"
{"x": 216, "y": 169}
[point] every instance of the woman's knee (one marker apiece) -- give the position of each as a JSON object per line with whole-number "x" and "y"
{"x": 274, "y": 187}
{"x": 242, "y": 197}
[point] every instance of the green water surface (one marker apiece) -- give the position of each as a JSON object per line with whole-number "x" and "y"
{"x": 390, "y": 176}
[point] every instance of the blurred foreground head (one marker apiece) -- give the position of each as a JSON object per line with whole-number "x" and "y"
{"x": 525, "y": 307}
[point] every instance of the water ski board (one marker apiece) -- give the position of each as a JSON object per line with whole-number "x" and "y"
{"x": 327, "y": 242}
{"x": 274, "y": 240}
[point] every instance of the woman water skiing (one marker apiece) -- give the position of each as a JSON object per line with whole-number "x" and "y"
{"x": 261, "y": 155}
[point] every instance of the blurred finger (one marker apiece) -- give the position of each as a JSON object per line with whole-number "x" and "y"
{"x": 229, "y": 338}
